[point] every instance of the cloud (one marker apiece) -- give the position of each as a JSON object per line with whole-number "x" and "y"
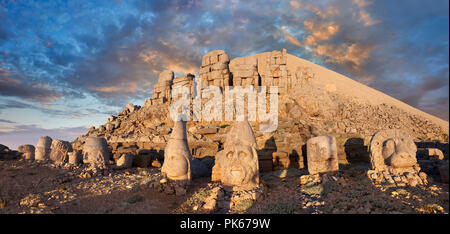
{"x": 34, "y": 91}
{"x": 364, "y": 16}
{"x": 292, "y": 40}
{"x": 354, "y": 55}
{"x": 6, "y": 121}
{"x": 29, "y": 134}
{"x": 117, "y": 54}
{"x": 319, "y": 31}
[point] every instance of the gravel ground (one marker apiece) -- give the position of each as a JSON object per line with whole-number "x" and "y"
{"x": 30, "y": 187}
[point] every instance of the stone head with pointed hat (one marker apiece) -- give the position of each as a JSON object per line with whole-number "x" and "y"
{"x": 177, "y": 157}
{"x": 236, "y": 166}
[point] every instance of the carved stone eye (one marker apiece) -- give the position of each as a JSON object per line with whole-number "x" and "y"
{"x": 230, "y": 154}
{"x": 243, "y": 155}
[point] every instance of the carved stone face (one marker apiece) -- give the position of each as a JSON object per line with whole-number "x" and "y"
{"x": 322, "y": 154}
{"x": 238, "y": 165}
{"x": 177, "y": 158}
{"x": 60, "y": 150}
{"x": 43, "y": 148}
{"x": 399, "y": 152}
{"x": 95, "y": 150}
{"x": 176, "y": 163}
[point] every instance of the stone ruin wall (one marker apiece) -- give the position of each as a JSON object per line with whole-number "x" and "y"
{"x": 144, "y": 131}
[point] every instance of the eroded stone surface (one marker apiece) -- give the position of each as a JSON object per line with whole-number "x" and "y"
{"x": 43, "y": 148}
{"x": 75, "y": 157}
{"x": 393, "y": 159}
{"x": 161, "y": 90}
{"x": 60, "y": 150}
{"x": 393, "y": 150}
{"x": 214, "y": 69}
{"x": 27, "y": 151}
{"x": 177, "y": 157}
{"x": 322, "y": 155}
{"x": 236, "y": 166}
{"x": 95, "y": 151}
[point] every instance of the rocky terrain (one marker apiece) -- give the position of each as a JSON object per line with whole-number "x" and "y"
{"x": 31, "y": 187}
{"x": 313, "y": 101}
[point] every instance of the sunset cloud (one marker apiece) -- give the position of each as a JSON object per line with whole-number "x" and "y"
{"x": 364, "y": 16}
{"x": 319, "y": 31}
{"x": 84, "y": 54}
{"x": 292, "y": 40}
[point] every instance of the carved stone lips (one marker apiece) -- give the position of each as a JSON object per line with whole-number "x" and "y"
{"x": 236, "y": 171}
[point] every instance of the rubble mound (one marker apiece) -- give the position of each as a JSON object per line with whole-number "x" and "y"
{"x": 312, "y": 101}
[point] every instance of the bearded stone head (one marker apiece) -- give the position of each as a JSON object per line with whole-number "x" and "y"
{"x": 177, "y": 157}
{"x": 236, "y": 166}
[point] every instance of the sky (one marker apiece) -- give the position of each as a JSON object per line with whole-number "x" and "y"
{"x": 68, "y": 65}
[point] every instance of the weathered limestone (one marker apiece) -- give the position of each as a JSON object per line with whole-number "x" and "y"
{"x": 125, "y": 161}
{"x": 43, "y": 148}
{"x": 186, "y": 81}
{"x": 245, "y": 72}
{"x": 303, "y": 77}
{"x": 393, "y": 159}
{"x": 393, "y": 150}
{"x": 27, "y": 151}
{"x": 275, "y": 72}
{"x": 177, "y": 158}
{"x": 95, "y": 151}
{"x": 161, "y": 90}
{"x": 322, "y": 155}
{"x": 214, "y": 69}
{"x": 60, "y": 150}
{"x": 75, "y": 157}
{"x": 236, "y": 166}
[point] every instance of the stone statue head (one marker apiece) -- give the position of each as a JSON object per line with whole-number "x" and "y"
{"x": 399, "y": 152}
{"x": 27, "y": 151}
{"x": 60, "y": 150}
{"x": 95, "y": 150}
{"x": 393, "y": 149}
{"x": 43, "y": 148}
{"x": 177, "y": 157}
{"x": 237, "y": 164}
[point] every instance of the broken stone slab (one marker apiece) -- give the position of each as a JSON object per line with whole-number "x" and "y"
{"x": 322, "y": 155}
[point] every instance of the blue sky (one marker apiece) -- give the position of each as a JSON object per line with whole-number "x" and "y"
{"x": 67, "y": 65}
